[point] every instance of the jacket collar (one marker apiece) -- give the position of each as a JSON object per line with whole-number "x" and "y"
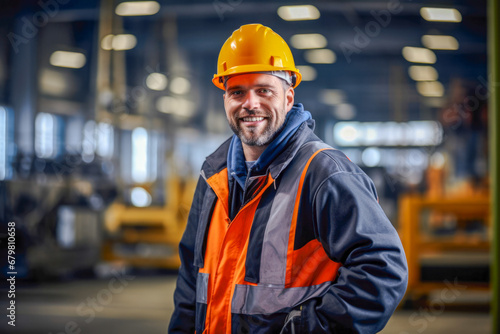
{"x": 272, "y": 154}
{"x": 216, "y": 161}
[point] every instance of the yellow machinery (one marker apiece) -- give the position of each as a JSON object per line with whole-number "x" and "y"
{"x": 149, "y": 237}
{"x": 419, "y": 243}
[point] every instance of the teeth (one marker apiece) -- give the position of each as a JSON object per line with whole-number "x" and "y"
{"x": 252, "y": 119}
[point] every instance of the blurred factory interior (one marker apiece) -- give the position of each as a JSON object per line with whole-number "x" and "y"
{"x": 107, "y": 112}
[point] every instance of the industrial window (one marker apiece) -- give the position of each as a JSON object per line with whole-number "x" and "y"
{"x": 6, "y": 142}
{"x": 97, "y": 138}
{"x": 140, "y": 155}
{"x": 89, "y": 142}
{"x": 105, "y": 140}
{"x": 46, "y": 135}
{"x": 144, "y": 158}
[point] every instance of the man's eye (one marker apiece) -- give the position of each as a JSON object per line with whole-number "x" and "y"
{"x": 236, "y": 92}
{"x": 264, "y": 90}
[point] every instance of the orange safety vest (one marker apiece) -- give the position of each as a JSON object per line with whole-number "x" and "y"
{"x": 286, "y": 276}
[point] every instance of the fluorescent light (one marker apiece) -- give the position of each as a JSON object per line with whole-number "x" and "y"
{"x": 137, "y": 8}
{"x": 68, "y": 59}
{"x": 347, "y": 133}
{"x": 423, "y": 73}
{"x": 156, "y": 81}
{"x": 344, "y": 111}
{"x": 166, "y": 104}
{"x": 440, "y": 42}
{"x": 332, "y": 96}
{"x": 176, "y": 106}
{"x": 371, "y": 157}
{"x": 298, "y": 13}
{"x": 430, "y": 88}
{"x": 123, "y": 42}
{"x": 320, "y": 56}
{"x": 419, "y": 55}
{"x": 105, "y": 138}
{"x": 54, "y": 82}
{"x": 140, "y": 197}
{"x": 45, "y": 135}
{"x": 437, "y": 160}
{"x": 308, "y": 73}
{"x": 107, "y": 42}
{"x": 440, "y": 14}
{"x": 416, "y": 133}
{"x": 140, "y": 138}
{"x": 119, "y": 42}
{"x": 180, "y": 86}
{"x": 308, "y": 41}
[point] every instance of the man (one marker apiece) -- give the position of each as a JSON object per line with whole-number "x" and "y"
{"x": 285, "y": 234}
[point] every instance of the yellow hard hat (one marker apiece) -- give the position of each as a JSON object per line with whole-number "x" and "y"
{"x": 254, "y": 48}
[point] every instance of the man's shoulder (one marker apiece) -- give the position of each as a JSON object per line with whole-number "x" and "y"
{"x": 331, "y": 167}
{"x": 329, "y": 160}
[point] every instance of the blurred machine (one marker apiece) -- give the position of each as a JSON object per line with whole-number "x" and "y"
{"x": 456, "y": 248}
{"x": 446, "y": 235}
{"x": 58, "y": 221}
{"x": 70, "y": 222}
{"x": 149, "y": 236}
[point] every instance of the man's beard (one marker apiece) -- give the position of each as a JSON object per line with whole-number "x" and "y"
{"x": 255, "y": 139}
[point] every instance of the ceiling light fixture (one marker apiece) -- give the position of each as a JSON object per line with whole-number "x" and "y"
{"x": 107, "y": 42}
{"x": 298, "y": 13}
{"x": 124, "y": 42}
{"x": 430, "y": 88}
{"x": 320, "y": 56}
{"x": 180, "y": 85}
{"x": 120, "y": 42}
{"x": 156, "y": 81}
{"x": 440, "y": 42}
{"x": 308, "y": 41}
{"x": 308, "y": 73}
{"x": 440, "y": 14}
{"x": 423, "y": 73}
{"x": 419, "y": 55}
{"x": 68, "y": 59}
{"x": 137, "y": 8}
{"x": 332, "y": 96}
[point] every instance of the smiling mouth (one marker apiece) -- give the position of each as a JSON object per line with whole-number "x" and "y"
{"x": 252, "y": 119}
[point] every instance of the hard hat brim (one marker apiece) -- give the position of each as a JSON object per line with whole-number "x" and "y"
{"x": 244, "y": 69}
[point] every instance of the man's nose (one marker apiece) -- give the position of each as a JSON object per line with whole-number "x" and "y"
{"x": 251, "y": 101}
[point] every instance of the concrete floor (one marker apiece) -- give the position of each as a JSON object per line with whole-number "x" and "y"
{"x": 126, "y": 304}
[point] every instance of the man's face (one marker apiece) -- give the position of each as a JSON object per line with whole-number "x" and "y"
{"x": 256, "y": 106}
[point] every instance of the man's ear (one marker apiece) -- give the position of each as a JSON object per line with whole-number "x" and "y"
{"x": 289, "y": 96}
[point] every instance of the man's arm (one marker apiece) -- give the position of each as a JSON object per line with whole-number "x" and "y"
{"x": 183, "y": 318}
{"x": 354, "y": 231}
